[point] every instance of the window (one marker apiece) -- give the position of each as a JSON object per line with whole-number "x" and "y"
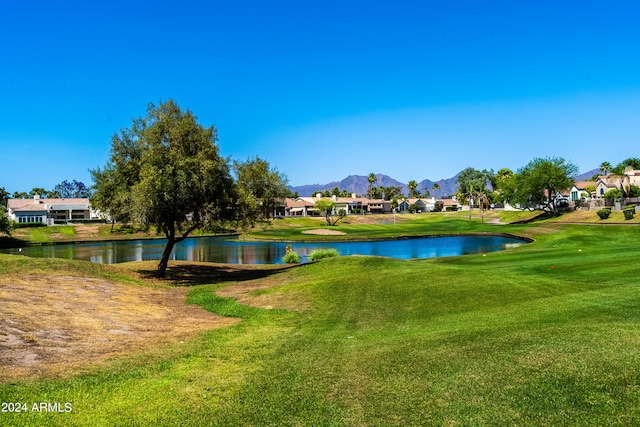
{"x": 30, "y": 218}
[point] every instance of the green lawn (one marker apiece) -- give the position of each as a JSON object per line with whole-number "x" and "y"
{"x": 46, "y": 234}
{"x": 543, "y": 334}
{"x": 388, "y": 226}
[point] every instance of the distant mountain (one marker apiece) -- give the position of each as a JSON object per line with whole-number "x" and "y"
{"x": 447, "y": 186}
{"x": 588, "y": 175}
{"x": 359, "y": 184}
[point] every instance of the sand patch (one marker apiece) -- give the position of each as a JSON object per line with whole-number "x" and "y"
{"x": 324, "y": 232}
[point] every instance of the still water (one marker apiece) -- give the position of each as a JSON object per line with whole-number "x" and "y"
{"x": 234, "y": 251}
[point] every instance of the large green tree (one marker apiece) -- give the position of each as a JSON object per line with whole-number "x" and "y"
{"x": 472, "y": 187}
{"x": 260, "y": 187}
{"x": 4, "y": 196}
{"x": 632, "y": 163}
{"x": 167, "y": 172}
{"x": 537, "y": 183}
{"x": 6, "y": 225}
{"x": 504, "y": 185}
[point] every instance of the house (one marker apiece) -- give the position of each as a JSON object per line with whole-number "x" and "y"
{"x": 299, "y": 207}
{"x": 420, "y": 205}
{"x": 605, "y": 183}
{"x": 379, "y": 206}
{"x": 49, "y": 211}
{"x": 447, "y": 205}
{"x": 579, "y": 191}
{"x": 305, "y": 206}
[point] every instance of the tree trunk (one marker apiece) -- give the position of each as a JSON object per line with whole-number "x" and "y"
{"x": 164, "y": 262}
{"x": 171, "y": 241}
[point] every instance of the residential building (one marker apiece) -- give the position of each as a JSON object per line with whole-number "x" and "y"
{"x": 579, "y": 191}
{"x": 605, "y": 183}
{"x": 49, "y": 211}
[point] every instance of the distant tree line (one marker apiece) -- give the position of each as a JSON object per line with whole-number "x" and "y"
{"x": 64, "y": 190}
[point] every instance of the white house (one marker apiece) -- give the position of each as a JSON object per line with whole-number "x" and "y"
{"x": 579, "y": 190}
{"x": 49, "y": 211}
{"x": 421, "y": 205}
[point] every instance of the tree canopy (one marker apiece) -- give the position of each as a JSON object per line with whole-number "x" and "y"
{"x": 326, "y": 208}
{"x": 6, "y": 225}
{"x": 4, "y": 196}
{"x": 166, "y": 171}
{"x": 536, "y": 184}
{"x": 260, "y": 187}
{"x": 413, "y": 185}
{"x": 65, "y": 190}
{"x": 630, "y": 163}
{"x": 472, "y": 186}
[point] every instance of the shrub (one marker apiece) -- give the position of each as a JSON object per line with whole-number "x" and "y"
{"x": 604, "y": 213}
{"x": 89, "y": 221}
{"x": 612, "y": 194}
{"x": 291, "y": 258}
{"x": 629, "y": 212}
{"x": 29, "y": 224}
{"x": 319, "y": 254}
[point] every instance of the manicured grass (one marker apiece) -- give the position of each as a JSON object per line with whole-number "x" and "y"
{"x": 45, "y": 234}
{"x": 385, "y": 226}
{"x": 543, "y": 334}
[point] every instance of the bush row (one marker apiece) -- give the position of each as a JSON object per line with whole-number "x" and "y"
{"x": 628, "y": 212}
{"x": 28, "y": 224}
{"x": 292, "y": 257}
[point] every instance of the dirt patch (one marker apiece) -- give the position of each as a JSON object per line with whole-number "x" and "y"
{"x": 324, "y": 232}
{"x": 51, "y": 325}
{"x": 248, "y": 293}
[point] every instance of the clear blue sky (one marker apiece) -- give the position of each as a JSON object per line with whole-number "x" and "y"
{"x": 323, "y": 89}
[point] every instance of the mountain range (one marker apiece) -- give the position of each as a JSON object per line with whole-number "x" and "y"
{"x": 359, "y": 184}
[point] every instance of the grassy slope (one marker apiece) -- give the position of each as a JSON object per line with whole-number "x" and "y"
{"x": 545, "y": 334}
{"x": 386, "y": 226}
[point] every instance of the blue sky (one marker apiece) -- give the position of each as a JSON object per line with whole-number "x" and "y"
{"x": 323, "y": 89}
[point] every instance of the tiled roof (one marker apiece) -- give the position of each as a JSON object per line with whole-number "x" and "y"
{"x": 581, "y": 185}
{"x": 18, "y": 205}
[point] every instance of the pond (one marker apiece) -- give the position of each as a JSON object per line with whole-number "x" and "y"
{"x": 235, "y": 251}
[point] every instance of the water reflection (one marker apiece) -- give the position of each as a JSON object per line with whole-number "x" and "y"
{"x": 235, "y": 251}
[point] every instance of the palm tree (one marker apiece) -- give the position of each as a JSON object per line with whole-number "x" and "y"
{"x": 605, "y": 167}
{"x": 372, "y": 179}
{"x": 412, "y": 188}
{"x": 625, "y": 182}
{"x": 435, "y": 188}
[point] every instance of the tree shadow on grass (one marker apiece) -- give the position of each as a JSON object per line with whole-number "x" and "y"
{"x": 7, "y": 242}
{"x": 199, "y": 274}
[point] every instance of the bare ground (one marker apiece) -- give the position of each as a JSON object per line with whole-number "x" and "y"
{"x": 324, "y": 232}
{"x": 51, "y": 325}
